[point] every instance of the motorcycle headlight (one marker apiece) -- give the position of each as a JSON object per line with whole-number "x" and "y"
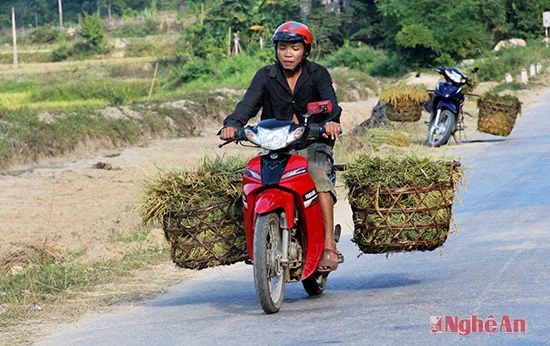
{"x": 274, "y": 138}
{"x": 252, "y": 136}
{"x": 454, "y": 76}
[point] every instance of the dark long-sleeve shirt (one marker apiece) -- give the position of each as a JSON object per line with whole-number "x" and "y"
{"x": 269, "y": 91}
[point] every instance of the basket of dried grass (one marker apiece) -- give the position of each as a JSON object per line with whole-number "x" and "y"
{"x": 404, "y": 102}
{"x": 497, "y": 114}
{"x": 401, "y": 203}
{"x": 200, "y": 211}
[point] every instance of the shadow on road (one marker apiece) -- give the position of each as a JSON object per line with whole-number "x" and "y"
{"x": 370, "y": 282}
{"x": 237, "y": 295}
{"x": 488, "y": 140}
{"x": 229, "y": 294}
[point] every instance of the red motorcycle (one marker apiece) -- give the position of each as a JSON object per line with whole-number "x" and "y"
{"x": 282, "y": 214}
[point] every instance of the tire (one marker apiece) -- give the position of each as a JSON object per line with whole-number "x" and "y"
{"x": 315, "y": 284}
{"x": 268, "y": 270}
{"x": 440, "y": 133}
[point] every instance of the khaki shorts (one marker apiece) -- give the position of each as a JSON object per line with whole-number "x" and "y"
{"x": 320, "y": 159}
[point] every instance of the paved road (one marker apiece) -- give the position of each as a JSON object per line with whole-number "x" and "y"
{"x": 495, "y": 267}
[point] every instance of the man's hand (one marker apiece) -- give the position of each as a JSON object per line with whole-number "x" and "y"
{"x": 332, "y": 130}
{"x": 228, "y": 133}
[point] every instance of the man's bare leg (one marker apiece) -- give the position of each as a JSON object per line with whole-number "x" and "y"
{"x": 330, "y": 259}
{"x": 327, "y": 211}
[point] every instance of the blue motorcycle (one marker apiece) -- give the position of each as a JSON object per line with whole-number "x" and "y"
{"x": 446, "y": 116}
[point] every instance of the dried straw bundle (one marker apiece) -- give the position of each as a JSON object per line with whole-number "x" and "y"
{"x": 473, "y": 82}
{"x": 201, "y": 212}
{"x": 404, "y": 102}
{"x": 29, "y": 256}
{"x": 401, "y": 203}
{"x": 497, "y": 114}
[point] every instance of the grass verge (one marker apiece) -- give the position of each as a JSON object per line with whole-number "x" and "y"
{"x": 24, "y": 295}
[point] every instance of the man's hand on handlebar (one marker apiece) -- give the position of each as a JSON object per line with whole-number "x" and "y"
{"x": 228, "y": 133}
{"x": 332, "y": 130}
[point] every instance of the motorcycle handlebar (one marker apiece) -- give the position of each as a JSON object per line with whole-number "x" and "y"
{"x": 314, "y": 131}
{"x": 239, "y": 136}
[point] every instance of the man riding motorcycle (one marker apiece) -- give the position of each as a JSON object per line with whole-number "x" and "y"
{"x": 282, "y": 90}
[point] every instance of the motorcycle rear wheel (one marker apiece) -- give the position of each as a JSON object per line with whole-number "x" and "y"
{"x": 440, "y": 133}
{"x": 315, "y": 284}
{"x": 268, "y": 269}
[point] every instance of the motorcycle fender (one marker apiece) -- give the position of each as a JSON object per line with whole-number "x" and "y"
{"x": 446, "y": 105}
{"x": 268, "y": 201}
{"x": 273, "y": 200}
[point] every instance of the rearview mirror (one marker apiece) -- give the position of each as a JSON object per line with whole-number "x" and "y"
{"x": 319, "y": 107}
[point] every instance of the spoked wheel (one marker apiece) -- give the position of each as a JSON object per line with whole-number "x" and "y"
{"x": 315, "y": 284}
{"x": 268, "y": 268}
{"x": 440, "y": 133}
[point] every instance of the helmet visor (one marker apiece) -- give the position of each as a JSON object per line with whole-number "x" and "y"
{"x": 287, "y": 37}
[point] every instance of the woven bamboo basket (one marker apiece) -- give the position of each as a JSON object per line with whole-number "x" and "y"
{"x": 405, "y": 111}
{"x": 404, "y": 102}
{"x": 206, "y": 237}
{"x": 414, "y": 218}
{"x": 498, "y": 114}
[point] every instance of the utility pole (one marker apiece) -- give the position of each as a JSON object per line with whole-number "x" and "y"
{"x": 14, "y": 32}
{"x": 60, "y": 2}
{"x": 546, "y": 24}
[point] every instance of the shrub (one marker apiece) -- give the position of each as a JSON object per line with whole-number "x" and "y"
{"x": 390, "y": 66}
{"x": 61, "y": 53}
{"x": 138, "y": 28}
{"x": 93, "y": 32}
{"x": 366, "y": 59}
{"x": 45, "y": 35}
{"x": 195, "y": 68}
{"x": 495, "y": 65}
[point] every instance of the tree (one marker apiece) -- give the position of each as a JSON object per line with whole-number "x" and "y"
{"x": 493, "y": 14}
{"x": 361, "y": 22}
{"x": 93, "y": 33}
{"x": 413, "y": 29}
{"x": 326, "y": 29}
{"x": 524, "y": 17}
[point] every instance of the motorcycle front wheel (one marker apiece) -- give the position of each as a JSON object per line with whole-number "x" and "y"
{"x": 440, "y": 133}
{"x": 268, "y": 268}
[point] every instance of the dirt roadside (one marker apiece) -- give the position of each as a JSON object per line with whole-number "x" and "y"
{"x": 72, "y": 206}
{"x": 69, "y": 205}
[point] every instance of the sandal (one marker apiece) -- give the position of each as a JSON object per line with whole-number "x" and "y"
{"x": 330, "y": 260}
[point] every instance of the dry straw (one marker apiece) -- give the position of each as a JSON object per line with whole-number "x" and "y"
{"x": 473, "y": 82}
{"x": 401, "y": 203}
{"x": 497, "y": 114}
{"x": 404, "y": 102}
{"x": 27, "y": 257}
{"x": 201, "y": 212}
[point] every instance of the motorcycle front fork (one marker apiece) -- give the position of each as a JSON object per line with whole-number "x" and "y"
{"x": 285, "y": 235}
{"x": 436, "y": 120}
{"x": 459, "y": 120}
